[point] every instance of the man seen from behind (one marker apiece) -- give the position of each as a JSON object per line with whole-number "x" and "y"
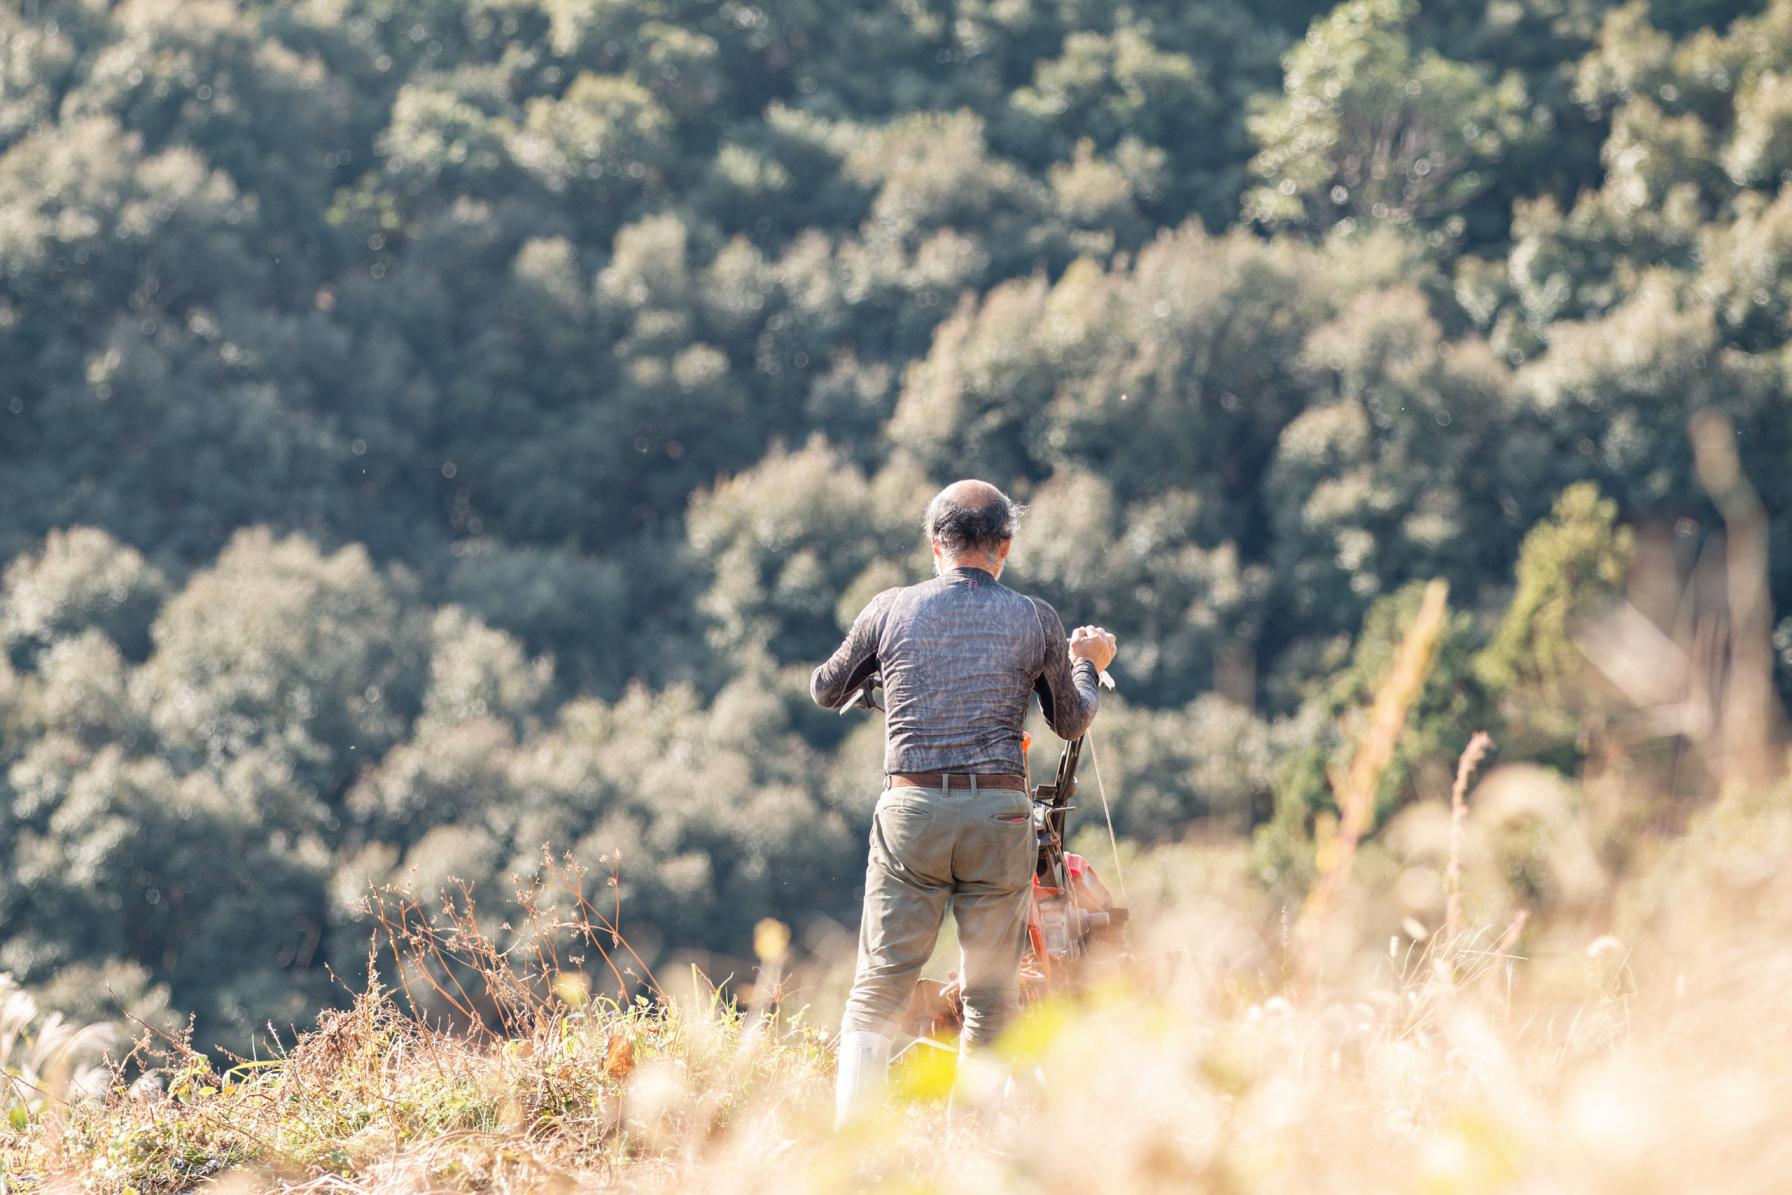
{"x": 960, "y": 657}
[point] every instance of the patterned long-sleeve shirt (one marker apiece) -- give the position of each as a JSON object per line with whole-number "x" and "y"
{"x": 960, "y": 656}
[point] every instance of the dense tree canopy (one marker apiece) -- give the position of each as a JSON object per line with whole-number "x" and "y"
{"x": 433, "y": 429}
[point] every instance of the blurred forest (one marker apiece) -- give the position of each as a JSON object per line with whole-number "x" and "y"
{"x": 433, "y": 429}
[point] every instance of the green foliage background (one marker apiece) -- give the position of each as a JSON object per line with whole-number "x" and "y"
{"x": 433, "y": 429}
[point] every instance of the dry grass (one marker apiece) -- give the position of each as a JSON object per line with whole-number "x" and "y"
{"x": 1455, "y": 1065}
{"x": 1354, "y": 789}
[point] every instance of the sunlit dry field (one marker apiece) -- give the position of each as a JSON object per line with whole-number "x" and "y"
{"x": 1642, "y": 1048}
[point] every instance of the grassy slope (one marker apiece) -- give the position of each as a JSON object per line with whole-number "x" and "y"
{"x": 1585, "y": 1066}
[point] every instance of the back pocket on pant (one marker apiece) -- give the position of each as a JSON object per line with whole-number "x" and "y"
{"x": 1002, "y": 849}
{"x": 902, "y": 832}
{"x": 1014, "y": 815}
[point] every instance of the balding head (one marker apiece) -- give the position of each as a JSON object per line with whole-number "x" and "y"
{"x": 971, "y": 520}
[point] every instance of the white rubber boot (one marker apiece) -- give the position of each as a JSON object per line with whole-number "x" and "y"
{"x": 864, "y": 1074}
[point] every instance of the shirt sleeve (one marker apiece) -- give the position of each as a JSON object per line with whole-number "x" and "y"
{"x": 1069, "y": 694}
{"x": 840, "y": 675}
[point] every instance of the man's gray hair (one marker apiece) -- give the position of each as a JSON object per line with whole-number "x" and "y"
{"x": 971, "y": 525}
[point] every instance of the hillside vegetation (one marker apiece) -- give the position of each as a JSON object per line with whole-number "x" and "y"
{"x": 431, "y": 431}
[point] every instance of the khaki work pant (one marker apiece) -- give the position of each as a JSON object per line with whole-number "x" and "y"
{"x": 929, "y": 847}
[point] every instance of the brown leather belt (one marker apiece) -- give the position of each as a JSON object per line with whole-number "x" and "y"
{"x": 952, "y": 780}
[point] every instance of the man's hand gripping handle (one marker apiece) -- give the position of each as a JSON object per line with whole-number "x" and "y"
{"x": 1097, "y": 646}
